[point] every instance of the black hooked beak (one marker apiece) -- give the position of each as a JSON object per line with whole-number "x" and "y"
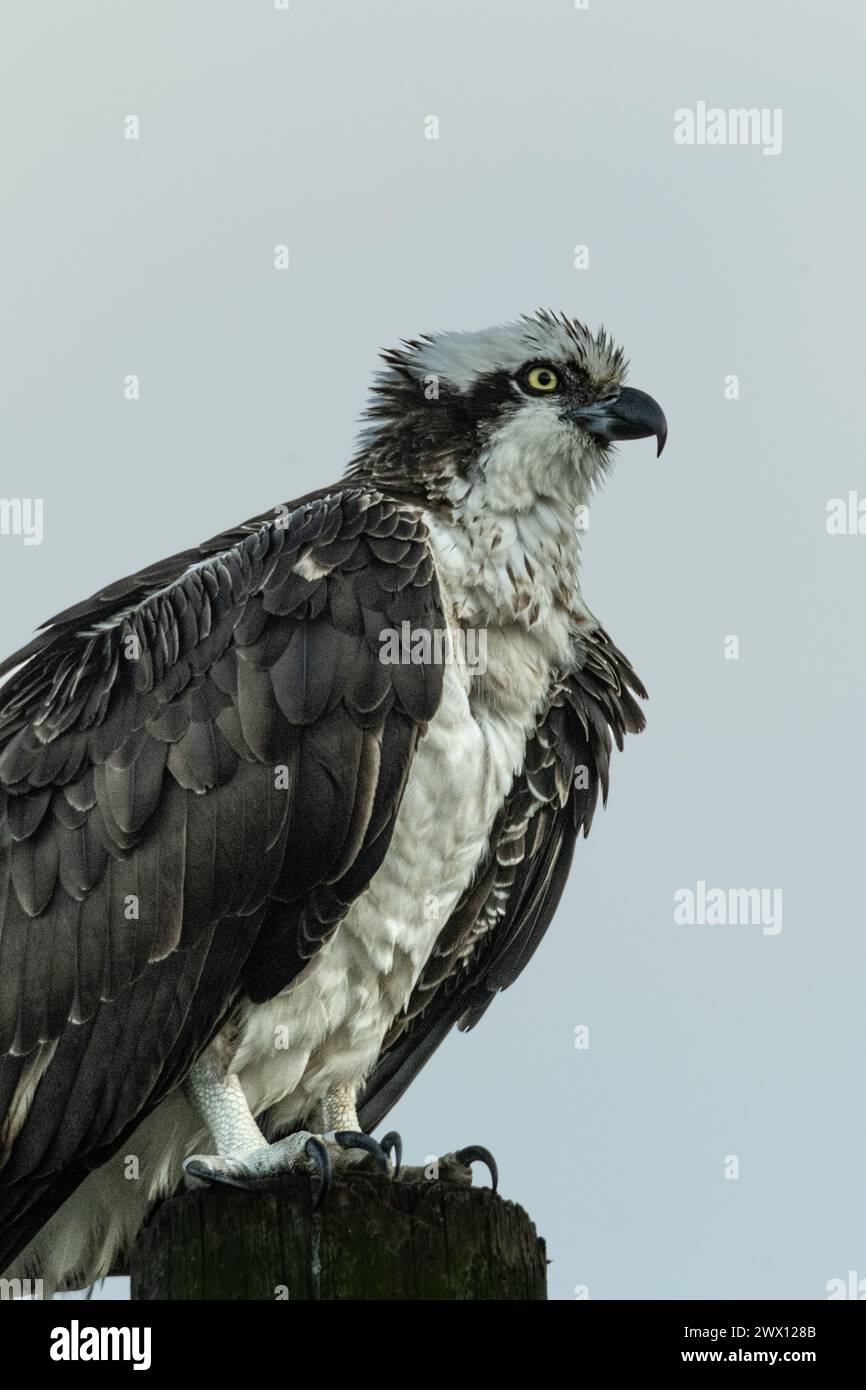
{"x": 628, "y": 415}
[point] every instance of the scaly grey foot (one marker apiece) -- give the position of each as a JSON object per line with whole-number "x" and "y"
{"x": 454, "y": 1167}
{"x": 245, "y": 1159}
{"x": 258, "y": 1169}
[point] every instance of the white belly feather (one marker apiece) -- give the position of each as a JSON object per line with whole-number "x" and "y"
{"x": 327, "y": 1027}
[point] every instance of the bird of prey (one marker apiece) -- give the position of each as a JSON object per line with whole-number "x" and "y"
{"x": 279, "y": 812}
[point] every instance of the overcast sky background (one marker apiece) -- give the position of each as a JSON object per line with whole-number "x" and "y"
{"x": 307, "y": 128}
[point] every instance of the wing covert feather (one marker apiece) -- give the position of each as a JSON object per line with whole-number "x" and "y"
{"x": 200, "y": 769}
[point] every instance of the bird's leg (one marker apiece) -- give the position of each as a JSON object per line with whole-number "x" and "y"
{"x": 244, "y": 1158}
{"x": 337, "y": 1113}
{"x": 220, "y": 1101}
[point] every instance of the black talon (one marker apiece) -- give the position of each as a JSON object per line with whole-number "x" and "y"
{"x": 476, "y": 1153}
{"x": 209, "y": 1175}
{"x": 315, "y": 1149}
{"x": 392, "y": 1143}
{"x": 349, "y": 1139}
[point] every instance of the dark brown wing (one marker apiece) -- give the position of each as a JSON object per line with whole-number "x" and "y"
{"x": 502, "y": 917}
{"x": 200, "y": 770}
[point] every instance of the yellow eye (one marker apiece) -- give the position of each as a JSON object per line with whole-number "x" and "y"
{"x": 542, "y": 379}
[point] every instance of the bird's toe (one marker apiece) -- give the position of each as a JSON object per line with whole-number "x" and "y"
{"x": 455, "y": 1167}
{"x": 369, "y": 1147}
{"x": 207, "y": 1170}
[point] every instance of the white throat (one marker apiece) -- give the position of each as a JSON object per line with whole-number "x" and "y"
{"x": 512, "y": 551}
{"x": 508, "y": 558}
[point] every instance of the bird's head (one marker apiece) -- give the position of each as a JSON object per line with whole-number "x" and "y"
{"x": 523, "y": 411}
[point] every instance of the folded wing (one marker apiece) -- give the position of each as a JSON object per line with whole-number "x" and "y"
{"x": 200, "y": 770}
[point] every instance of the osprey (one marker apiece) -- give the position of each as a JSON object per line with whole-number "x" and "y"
{"x": 258, "y": 855}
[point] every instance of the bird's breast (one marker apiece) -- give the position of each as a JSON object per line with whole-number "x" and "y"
{"x": 327, "y": 1027}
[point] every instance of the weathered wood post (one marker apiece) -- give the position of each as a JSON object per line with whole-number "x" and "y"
{"x": 373, "y": 1238}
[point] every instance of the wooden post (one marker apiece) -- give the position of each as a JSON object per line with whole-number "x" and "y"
{"x": 372, "y": 1239}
